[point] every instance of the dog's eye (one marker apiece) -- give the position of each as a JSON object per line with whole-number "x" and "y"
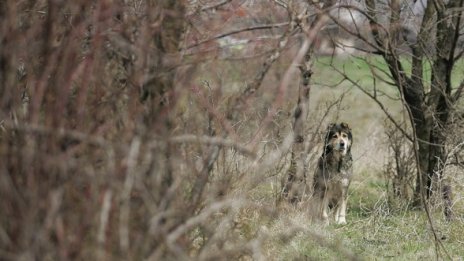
{"x": 335, "y": 136}
{"x": 344, "y": 135}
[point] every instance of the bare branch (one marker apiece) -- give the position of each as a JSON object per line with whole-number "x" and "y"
{"x": 125, "y": 197}
{"x": 60, "y": 132}
{"x": 311, "y": 34}
{"x": 104, "y": 216}
{"x": 215, "y": 5}
{"x": 457, "y": 94}
{"x": 379, "y": 103}
{"x": 212, "y": 141}
{"x": 237, "y": 31}
{"x": 257, "y": 80}
{"x": 201, "y": 217}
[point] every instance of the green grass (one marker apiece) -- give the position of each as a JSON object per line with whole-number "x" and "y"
{"x": 379, "y": 227}
{"x": 360, "y": 68}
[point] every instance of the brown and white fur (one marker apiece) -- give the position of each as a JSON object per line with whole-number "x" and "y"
{"x": 333, "y": 175}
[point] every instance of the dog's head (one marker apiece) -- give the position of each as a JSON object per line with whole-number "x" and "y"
{"x": 338, "y": 138}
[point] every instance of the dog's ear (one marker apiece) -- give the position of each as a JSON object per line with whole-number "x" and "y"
{"x": 330, "y": 126}
{"x": 345, "y": 126}
{"x": 327, "y": 146}
{"x": 328, "y": 132}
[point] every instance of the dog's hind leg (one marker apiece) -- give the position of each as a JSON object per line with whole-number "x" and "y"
{"x": 321, "y": 207}
{"x": 337, "y": 212}
{"x": 325, "y": 209}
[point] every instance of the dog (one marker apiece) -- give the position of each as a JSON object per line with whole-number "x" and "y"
{"x": 333, "y": 174}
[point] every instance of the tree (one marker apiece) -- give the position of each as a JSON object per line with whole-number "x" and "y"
{"x": 429, "y": 110}
{"x": 295, "y": 186}
{"x": 424, "y": 34}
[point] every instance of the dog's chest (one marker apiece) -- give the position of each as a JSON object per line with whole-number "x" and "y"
{"x": 337, "y": 173}
{"x": 338, "y": 180}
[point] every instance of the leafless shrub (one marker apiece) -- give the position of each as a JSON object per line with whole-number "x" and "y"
{"x": 399, "y": 171}
{"x": 451, "y": 167}
{"x": 110, "y": 147}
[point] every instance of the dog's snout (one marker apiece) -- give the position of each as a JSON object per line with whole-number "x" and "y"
{"x": 342, "y": 144}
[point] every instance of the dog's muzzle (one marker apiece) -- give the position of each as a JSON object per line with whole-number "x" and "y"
{"x": 342, "y": 147}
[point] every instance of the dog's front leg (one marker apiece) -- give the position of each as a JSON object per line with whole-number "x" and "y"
{"x": 341, "y": 212}
{"x": 340, "y": 215}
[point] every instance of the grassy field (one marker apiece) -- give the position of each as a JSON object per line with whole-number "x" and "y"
{"x": 379, "y": 226}
{"x": 376, "y": 230}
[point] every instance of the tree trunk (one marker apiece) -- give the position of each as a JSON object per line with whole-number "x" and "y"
{"x": 423, "y": 179}
{"x": 158, "y": 91}
{"x": 428, "y": 113}
{"x": 295, "y": 185}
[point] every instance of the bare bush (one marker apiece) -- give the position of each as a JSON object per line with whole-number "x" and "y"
{"x": 112, "y": 149}
{"x": 399, "y": 172}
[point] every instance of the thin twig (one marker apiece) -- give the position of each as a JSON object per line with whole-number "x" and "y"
{"x": 60, "y": 132}
{"x": 124, "y": 240}
{"x": 104, "y": 216}
{"x": 241, "y": 30}
{"x": 189, "y": 138}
